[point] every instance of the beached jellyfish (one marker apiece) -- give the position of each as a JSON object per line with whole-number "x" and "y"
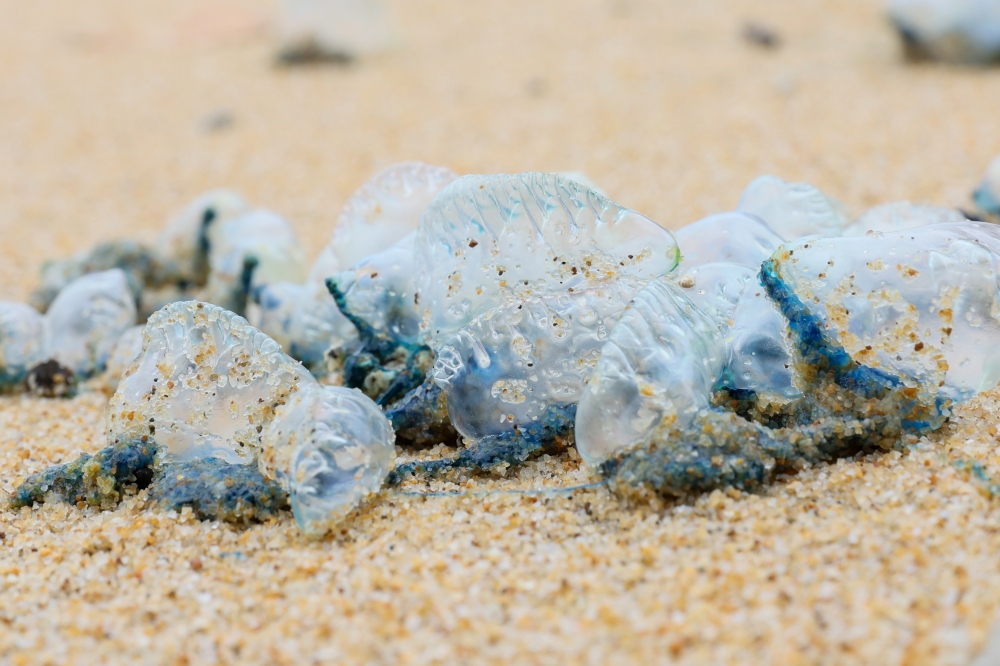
{"x": 966, "y": 31}
{"x": 881, "y": 293}
{"x": 86, "y": 319}
{"x": 921, "y": 303}
{"x": 732, "y": 298}
{"x": 486, "y": 240}
{"x": 371, "y": 255}
{"x": 847, "y": 407}
{"x": 887, "y": 332}
{"x": 22, "y": 343}
{"x": 156, "y": 274}
{"x": 377, "y": 296}
{"x": 659, "y": 365}
{"x": 126, "y": 350}
{"x": 384, "y": 367}
{"x": 331, "y": 30}
{"x": 380, "y": 213}
{"x": 256, "y": 248}
{"x": 506, "y": 367}
{"x": 186, "y": 423}
{"x": 185, "y": 240}
{"x": 142, "y": 267}
{"x": 793, "y": 210}
{"x": 206, "y": 385}
{"x": 303, "y": 319}
{"x": 758, "y": 356}
{"x": 380, "y": 290}
{"x": 329, "y": 447}
{"x": 901, "y": 215}
{"x": 727, "y": 237}
{"x": 987, "y": 195}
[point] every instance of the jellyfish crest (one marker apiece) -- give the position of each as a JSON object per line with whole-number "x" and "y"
{"x": 379, "y": 214}
{"x": 485, "y": 240}
{"x": 793, "y": 210}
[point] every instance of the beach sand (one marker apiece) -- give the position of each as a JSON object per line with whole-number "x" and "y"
{"x": 115, "y": 113}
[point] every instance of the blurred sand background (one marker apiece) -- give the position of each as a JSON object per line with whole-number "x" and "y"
{"x": 115, "y": 113}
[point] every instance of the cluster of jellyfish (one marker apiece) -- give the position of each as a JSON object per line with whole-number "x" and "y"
{"x": 518, "y": 314}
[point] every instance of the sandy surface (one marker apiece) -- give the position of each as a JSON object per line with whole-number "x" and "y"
{"x": 106, "y": 111}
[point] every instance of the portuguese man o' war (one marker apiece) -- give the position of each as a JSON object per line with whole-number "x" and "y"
{"x": 660, "y": 364}
{"x": 86, "y": 319}
{"x": 186, "y": 239}
{"x": 380, "y": 213}
{"x": 72, "y": 341}
{"x": 377, "y": 298}
{"x": 250, "y": 250}
{"x": 175, "y": 268}
{"x": 485, "y": 240}
{"x": 142, "y": 267}
{"x": 206, "y": 385}
{"x": 329, "y": 447}
{"x": 889, "y": 330}
{"x": 524, "y": 276}
{"x": 377, "y": 295}
{"x": 385, "y": 368}
{"x": 921, "y": 304}
{"x": 214, "y": 416}
{"x": 22, "y": 343}
{"x": 380, "y": 290}
{"x": 379, "y": 223}
{"x": 756, "y": 354}
{"x": 793, "y": 210}
{"x": 506, "y": 367}
{"x": 370, "y": 254}
{"x": 961, "y": 31}
{"x": 759, "y": 357}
